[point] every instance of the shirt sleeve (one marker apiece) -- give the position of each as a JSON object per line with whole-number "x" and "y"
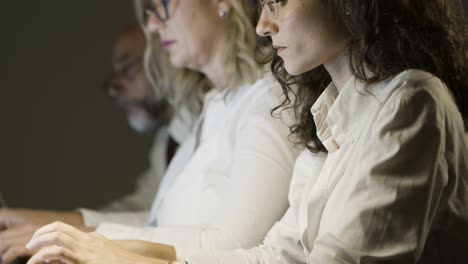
{"x": 282, "y": 244}
{"x": 254, "y": 194}
{"x": 132, "y": 208}
{"x": 243, "y": 207}
{"x": 148, "y": 182}
{"x": 383, "y": 207}
{"x": 94, "y": 219}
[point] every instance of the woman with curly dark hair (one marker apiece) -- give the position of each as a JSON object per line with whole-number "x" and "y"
{"x": 382, "y": 87}
{"x": 381, "y": 90}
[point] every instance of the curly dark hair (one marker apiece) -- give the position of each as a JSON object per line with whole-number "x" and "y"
{"x": 387, "y": 37}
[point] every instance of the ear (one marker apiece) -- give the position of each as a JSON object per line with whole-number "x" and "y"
{"x": 224, "y": 6}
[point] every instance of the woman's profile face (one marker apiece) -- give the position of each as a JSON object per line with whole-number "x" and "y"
{"x": 190, "y": 32}
{"x": 305, "y": 33}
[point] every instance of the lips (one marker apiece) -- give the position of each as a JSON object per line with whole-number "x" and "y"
{"x": 168, "y": 43}
{"x": 278, "y": 48}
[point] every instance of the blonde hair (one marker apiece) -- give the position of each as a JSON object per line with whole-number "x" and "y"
{"x": 245, "y": 61}
{"x": 183, "y": 88}
{"x": 248, "y": 54}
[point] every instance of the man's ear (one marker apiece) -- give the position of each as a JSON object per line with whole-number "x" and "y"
{"x": 224, "y": 6}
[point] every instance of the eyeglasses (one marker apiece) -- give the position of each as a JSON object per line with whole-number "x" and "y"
{"x": 160, "y": 9}
{"x": 273, "y": 6}
{"x": 128, "y": 70}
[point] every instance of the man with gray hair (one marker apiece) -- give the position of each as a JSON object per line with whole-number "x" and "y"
{"x": 146, "y": 113}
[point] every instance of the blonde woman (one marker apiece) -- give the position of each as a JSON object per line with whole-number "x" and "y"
{"x": 184, "y": 89}
{"x": 234, "y": 188}
{"x": 146, "y": 109}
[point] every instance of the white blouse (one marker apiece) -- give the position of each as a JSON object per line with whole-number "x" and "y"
{"x": 397, "y": 170}
{"x": 235, "y": 185}
{"x": 133, "y": 208}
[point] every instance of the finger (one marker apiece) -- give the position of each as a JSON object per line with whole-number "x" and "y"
{"x": 54, "y": 262}
{"x": 57, "y": 238}
{"x": 18, "y": 231}
{"x": 9, "y": 233}
{"x": 15, "y": 237}
{"x": 3, "y": 225}
{"x": 9, "y": 219}
{"x": 5, "y": 244}
{"x": 15, "y": 252}
{"x": 58, "y": 226}
{"x": 54, "y": 253}
{"x": 2, "y": 220}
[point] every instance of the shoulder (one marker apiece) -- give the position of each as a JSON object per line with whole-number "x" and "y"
{"x": 410, "y": 90}
{"x": 413, "y": 99}
{"x": 410, "y": 85}
{"x": 410, "y": 98}
{"x": 259, "y": 99}
{"x": 396, "y": 100}
{"x": 265, "y": 90}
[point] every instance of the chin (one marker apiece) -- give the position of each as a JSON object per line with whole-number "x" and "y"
{"x": 177, "y": 63}
{"x": 294, "y": 70}
{"x": 297, "y": 68}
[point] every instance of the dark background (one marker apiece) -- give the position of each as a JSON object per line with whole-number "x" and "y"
{"x": 63, "y": 143}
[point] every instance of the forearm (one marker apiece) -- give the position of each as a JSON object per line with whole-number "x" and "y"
{"x": 93, "y": 218}
{"x": 48, "y": 216}
{"x": 142, "y": 197}
{"x": 257, "y": 255}
{"x": 127, "y": 257}
{"x": 187, "y": 237}
{"x": 148, "y": 249}
{"x": 70, "y": 217}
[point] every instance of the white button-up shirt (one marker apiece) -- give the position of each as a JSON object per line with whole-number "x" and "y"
{"x": 235, "y": 186}
{"x": 396, "y": 171}
{"x": 133, "y": 209}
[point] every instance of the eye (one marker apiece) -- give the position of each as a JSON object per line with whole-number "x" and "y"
{"x": 281, "y": 2}
{"x": 149, "y": 6}
{"x": 131, "y": 67}
{"x": 149, "y": 9}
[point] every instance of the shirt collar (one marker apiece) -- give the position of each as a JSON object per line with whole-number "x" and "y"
{"x": 325, "y": 113}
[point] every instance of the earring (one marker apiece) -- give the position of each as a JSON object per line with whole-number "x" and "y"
{"x": 222, "y": 14}
{"x": 347, "y": 8}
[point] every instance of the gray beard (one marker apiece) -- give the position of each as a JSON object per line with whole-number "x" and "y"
{"x": 142, "y": 122}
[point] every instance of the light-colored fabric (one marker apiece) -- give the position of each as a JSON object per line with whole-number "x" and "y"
{"x": 235, "y": 186}
{"x": 148, "y": 182}
{"x": 93, "y": 218}
{"x": 133, "y": 209}
{"x": 182, "y": 124}
{"x": 398, "y": 172}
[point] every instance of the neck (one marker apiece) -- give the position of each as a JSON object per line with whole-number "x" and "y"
{"x": 216, "y": 72}
{"x": 340, "y": 71}
{"x": 216, "y": 69}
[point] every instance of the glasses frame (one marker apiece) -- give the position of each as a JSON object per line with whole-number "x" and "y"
{"x": 272, "y": 7}
{"x": 150, "y": 10}
{"x": 127, "y": 71}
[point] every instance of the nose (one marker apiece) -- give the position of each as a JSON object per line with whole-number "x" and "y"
{"x": 266, "y": 26}
{"x": 154, "y": 24}
{"x": 114, "y": 86}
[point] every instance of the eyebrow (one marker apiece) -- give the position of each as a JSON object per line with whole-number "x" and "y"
{"x": 123, "y": 58}
{"x": 129, "y": 58}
